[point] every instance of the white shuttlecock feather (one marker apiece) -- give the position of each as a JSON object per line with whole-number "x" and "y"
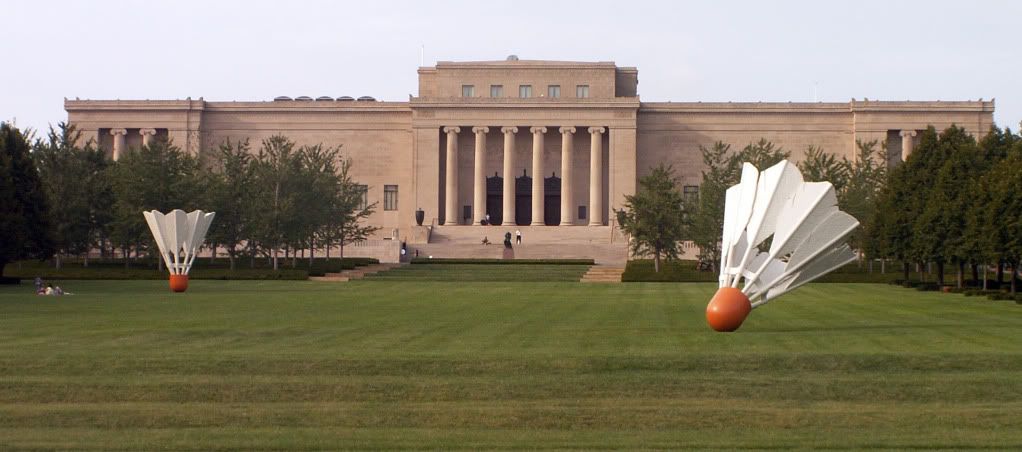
{"x": 801, "y": 219}
{"x": 179, "y": 235}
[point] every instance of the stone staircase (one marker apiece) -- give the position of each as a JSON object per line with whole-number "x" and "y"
{"x": 603, "y": 274}
{"x": 538, "y": 242}
{"x": 355, "y": 273}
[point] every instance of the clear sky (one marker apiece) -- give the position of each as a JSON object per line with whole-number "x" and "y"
{"x": 685, "y": 51}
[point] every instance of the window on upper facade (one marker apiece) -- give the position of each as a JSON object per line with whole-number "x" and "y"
{"x": 525, "y": 91}
{"x": 553, "y": 91}
{"x": 468, "y": 91}
{"x": 390, "y": 197}
{"x": 691, "y": 192}
{"x": 363, "y": 196}
{"x": 496, "y": 90}
{"x": 582, "y": 91}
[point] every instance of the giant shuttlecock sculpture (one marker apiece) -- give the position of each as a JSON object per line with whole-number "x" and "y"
{"x": 780, "y": 232}
{"x": 179, "y": 235}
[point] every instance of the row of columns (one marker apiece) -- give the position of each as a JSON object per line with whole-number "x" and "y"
{"x": 906, "y": 143}
{"x": 538, "y": 186}
{"x": 120, "y": 135}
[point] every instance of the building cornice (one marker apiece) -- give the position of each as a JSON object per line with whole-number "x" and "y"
{"x": 532, "y": 102}
{"x": 817, "y": 107}
{"x": 262, "y": 106}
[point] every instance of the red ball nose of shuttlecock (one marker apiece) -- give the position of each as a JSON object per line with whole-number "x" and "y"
{"x": 727, "y": 309}
{"x": 178, "y": 283}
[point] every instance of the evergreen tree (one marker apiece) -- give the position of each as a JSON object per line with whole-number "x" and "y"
{"x": 653, "y": 216}
{"x": 73, "y": 178}
{"x": 25, "y": 225}
{"x": 1004, "y": 212}
{"x": 938, "y": 227}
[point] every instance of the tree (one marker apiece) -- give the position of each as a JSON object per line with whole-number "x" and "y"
{"x": 1004, "y": 212}
{"x": 277, "y": 170}
{"x": 73, "y": 179}
{"x": 653, "y": 216}
{"x": 348, "y": 209}
{"x": 857, "y": 194}
{"x": 706, "y": 214}
{"x": 25, "y": 226}
{"x": 159, "y": 176}
{"x": 229, "y": 181}
{"x": 938, "y": 227}
{"x": 901, "y": 201}
{"x": 819, "y": 165}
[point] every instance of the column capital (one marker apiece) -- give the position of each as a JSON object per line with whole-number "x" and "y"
{"x": 538, "y": 129}
{"x": 597, "y": 130}
{"x": 480, "y": 129}
{"x": 145, "y": 132}
{"x": 507, "y": 130}
{"x": 907, "y": 133}
{"x": 449, "y": 130}
{"x": 567, "y": 130}
{"x": 116, "y": 132}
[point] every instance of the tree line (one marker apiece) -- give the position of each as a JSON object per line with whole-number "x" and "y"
{"x": 955, "y": 200}
{"x": 63, "y": 197}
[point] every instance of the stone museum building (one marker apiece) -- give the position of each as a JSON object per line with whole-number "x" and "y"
{"x": 549, "y": 148}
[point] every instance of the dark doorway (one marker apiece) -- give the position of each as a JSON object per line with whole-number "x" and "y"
{"x": 495, "y": 198}
{"x": 552, "y": 201}
{"x": 523, "y": 200}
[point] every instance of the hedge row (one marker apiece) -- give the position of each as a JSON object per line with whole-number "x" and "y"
{"x": 642, "y": 270}
{"x": 994, "y": 294}
{"x": 423, "y": 260}
{"x": 201, "y": 269}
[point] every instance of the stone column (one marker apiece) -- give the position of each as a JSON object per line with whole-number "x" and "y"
{"x": 906, "y": 143}
{"x": 567, "y": 176}
{"x": 509, "y": 175}
{"x": 538, "y": 193}
{"x": 479, "y": 188}
{"x": 118, "y": 142}
{"x": 147, "y": 136}
{"x": 451, "y": 217}
{"x": 596, "y": 176}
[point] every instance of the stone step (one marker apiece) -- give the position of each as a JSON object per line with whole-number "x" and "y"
{"x": 356, "y": 273}
{"x": 611, "y": 254}
{"x": 603, "y": 274}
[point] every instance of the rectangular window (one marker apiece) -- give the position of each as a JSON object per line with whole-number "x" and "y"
{"x": 466, "y": 214}
{"x": 553, "y": 91}
{"x": 581, "y": 212}
{"x": 468, "y": 91}
{"x": 390, "y": 197}
{"x": 363, "y": 196}
{"x": 582, "y": 91}
{"x": 496, "y": 90}
{"x": 691, "y": 192}
{"x": 525, "y": 91}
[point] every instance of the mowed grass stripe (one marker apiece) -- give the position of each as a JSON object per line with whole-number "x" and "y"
{"x": 501, "y": 364}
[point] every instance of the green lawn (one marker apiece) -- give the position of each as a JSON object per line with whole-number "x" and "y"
{"x": 414, "y": 364}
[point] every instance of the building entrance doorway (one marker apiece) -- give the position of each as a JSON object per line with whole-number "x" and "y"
{"x": 523, "y": 200}
{"x": 495, "y": 199}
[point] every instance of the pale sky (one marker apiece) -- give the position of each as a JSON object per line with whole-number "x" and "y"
{"x": 685, "y": 51}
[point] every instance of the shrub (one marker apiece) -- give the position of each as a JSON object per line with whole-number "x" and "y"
{"x": 927, "y": 287}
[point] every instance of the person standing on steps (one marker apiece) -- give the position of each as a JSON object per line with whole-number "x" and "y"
{"x": 518, "y": 237}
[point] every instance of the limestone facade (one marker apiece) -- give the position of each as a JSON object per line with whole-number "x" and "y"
{"x": 470, "y": 122}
